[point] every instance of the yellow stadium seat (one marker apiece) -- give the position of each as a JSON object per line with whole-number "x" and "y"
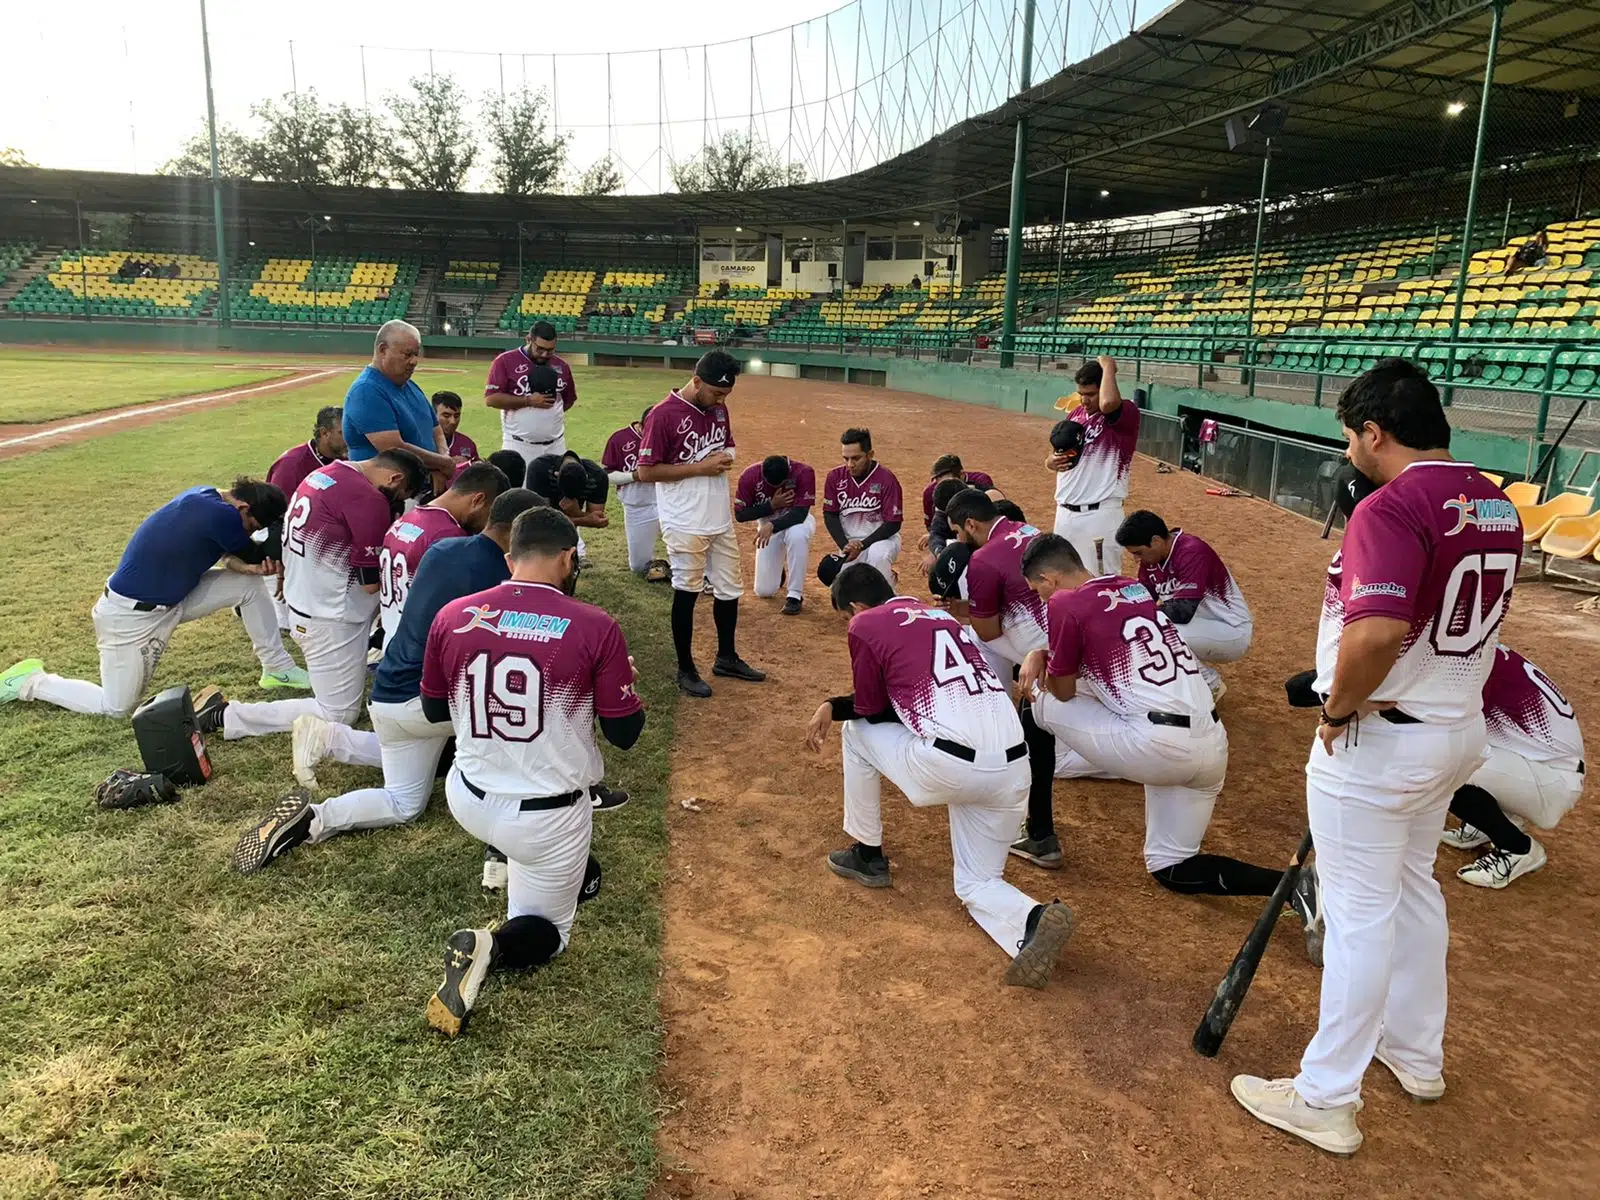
{"x": 1523, "y": 495}
{"x": 1497, "y": 480}
{"x": 1537, "y": 518}
{"x": 1572, "y": 537}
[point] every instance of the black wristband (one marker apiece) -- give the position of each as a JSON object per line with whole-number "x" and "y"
{"x": 1337, "y": 722}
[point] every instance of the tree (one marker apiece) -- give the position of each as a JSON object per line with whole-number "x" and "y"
{"x": 601, "y": 178}
{"x": 295, "y": 144}
{"x": 357, "y": 156}
{"x": 234, "y": 154}
{"x": 527, "y": 156}
{"x": 735, "y": 162}
{"x": 10, "y": 156}
{"x": 431, "y": 147}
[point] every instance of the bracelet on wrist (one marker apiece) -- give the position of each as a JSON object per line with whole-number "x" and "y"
{"x": 1336, "y": 722}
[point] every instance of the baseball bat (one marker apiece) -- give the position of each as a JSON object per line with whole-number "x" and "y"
{"x": 1099, "y": 556}
{"x": 1213, "y": 1027}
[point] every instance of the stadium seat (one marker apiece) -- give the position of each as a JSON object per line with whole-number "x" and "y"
{"x": 1537, "y": 518}
{"x": 1572, "y": 537}
{"x": 1522, "y": 494}
{"x": 1497, "y": 480}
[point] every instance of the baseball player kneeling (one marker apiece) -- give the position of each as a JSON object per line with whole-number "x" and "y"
{"x": 929, "y": 713}
{"x": 522, "y": 671}
{"x": 778, "y": 493}
{"x": 1118, "y": 685}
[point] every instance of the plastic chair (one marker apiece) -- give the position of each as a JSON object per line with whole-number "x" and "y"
{"x": 1497, "y": 480}
{"x": 1572, "y": 537}
{"x": 1537, "y": 518}
{"x": 1522, "y": 493}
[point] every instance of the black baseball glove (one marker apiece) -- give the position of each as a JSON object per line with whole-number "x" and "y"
{"x": 134, "y": 789}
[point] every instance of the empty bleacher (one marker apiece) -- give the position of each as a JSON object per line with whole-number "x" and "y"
{"x": 342, "y": 290}
{"x": 120, "y": 283}
{"x": 471, "y": 273}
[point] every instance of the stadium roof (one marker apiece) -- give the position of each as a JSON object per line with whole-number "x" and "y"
{"x": 1366, "y": 83}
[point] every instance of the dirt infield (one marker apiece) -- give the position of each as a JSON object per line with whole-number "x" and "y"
{"x": 824, "y": 1040}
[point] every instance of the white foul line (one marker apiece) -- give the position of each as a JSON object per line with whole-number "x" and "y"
{"x": 126, "y": 414}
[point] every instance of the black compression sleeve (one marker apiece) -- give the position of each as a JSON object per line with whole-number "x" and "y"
{"x": 753, "y": 512}
{"x": 623, "y": 732}
{"x": 789, "y": 518}
{"x": 1180, "y": 612}
{"x": 835, "y": 528}
{"x": 844, "y": 709}
{"x": 367, "y": 575}
{"x": 881, "y": 534}
{"x": 436, "y": 708}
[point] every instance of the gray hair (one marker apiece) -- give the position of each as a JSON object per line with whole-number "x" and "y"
{"x": 392, "y": 329}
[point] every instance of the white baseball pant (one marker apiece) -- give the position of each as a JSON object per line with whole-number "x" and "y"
{"x": 1011, "y": 647}
{"x": 1072, "y": 765}
{"x": 1539, "y": 792}
{"x": 131, "y": 643}
{"x": 642, "y": 526}
{"x": 269, "y": 584}
{"x": 882, "y": 555}
{"x": 409, "y": 745}
{"x": 1081, "y": 529}
{"x": 336, "y": 659}
{"x": 986, "y": 800}
{"x": 529, "y": 451}
{"x": 546, "y": 852}
{"x": 1212, "y": 641}
{"x": 783, "y": 560}
{"x": 1377, "y": 806}
{"x": 694, "y": 556}
{"x": 1182, "y": 769}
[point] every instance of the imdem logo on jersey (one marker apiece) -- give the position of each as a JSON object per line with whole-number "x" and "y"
{"x": 406, "y": 532}
{"x": 1128, "y": 593}
{"x": 320, "y": 481}
{"x": 527, "y": 626}
{"x": 1491, "y": 516}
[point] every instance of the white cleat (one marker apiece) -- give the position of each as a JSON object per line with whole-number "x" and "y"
{"x": 309, "y": 742}
{"x": 1275, "y": 1102}
{"x": 1418, "y": 1088}
{"x": 1498, "y": 868}
{"x": 1464, "y": 837}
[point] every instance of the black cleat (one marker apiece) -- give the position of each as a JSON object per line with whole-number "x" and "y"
{"x": 737, "y": 668}
{"x": 209, "y": 705}
{"x": 690, "y": 684}
{"x": 466, "y": 962}
{"x": 281, "y": 830}
{"x": 791, "y": 607}
{"x": 868, "y": 872}
{"x": 1041, "y": 852}
{"x": 591, "y": 881}
{"x": 606, "y": 799}
{"x": 1041, "y": 949}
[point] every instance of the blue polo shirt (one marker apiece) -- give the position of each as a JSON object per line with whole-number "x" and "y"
{"x": 376, "y": 403}
{"x": 177, "y": 544}
{"x": 451, "y": 569}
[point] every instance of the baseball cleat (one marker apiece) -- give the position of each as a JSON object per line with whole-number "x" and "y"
{"x": 591, "y": 880}
{"x": 281, "y": 830}
{"x": 209, "y": 706}
{"x": 1041, "y": 852}
{"x": 1275, "y": 1102}
{"x": 294, "y": 677}
{"x": 495, "y": 872}
{"x": 308, "y": 742}
{"x": 12, "y": 678}
{"x": 1218, "y": 691}
{"x": 868, "y": 872}
{"x": 466, "y": 962}
{"x": 606, "y": 799}
{"x": 737, "y": 668}
{"x": 791, "y": 607}
{"x": 1499, "y": 867}
{"x": 1464, "y": 837}
{"x": 1425, "y": 1091}
{"x": 1306, "y": 899}
{"x": 1040, "y": 950}
{"x": 690, "y": 684}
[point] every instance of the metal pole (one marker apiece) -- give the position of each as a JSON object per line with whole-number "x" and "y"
{"x": 224, "y": 311}
{"x": 1255, "y": 266}
{"x": 1497, "y": 15}
{"x": 1019, "y": 184}
{"x": 1061, "y": 254}
{"x": 661, "y": 86}
{"x": 1505, "y": 226}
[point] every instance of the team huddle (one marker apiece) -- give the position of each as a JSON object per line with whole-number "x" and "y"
{"x": 386, "y": 539}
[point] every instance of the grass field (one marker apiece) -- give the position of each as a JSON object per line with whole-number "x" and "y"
{"x": 172, "y": 1029}
{"x": 46, "y": 386}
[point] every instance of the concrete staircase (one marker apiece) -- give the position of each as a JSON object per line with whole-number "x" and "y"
{"x": 29, "y": 268}
{"x": 506, "y": 288}
{"x": 417, "y": 312}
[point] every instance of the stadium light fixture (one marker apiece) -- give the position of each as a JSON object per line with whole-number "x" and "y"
{"x": 1104, "y": 193}
{"x": 914, "y": 224}
{"x": 1455, "y": 108}
{"x": 738, "y": 228}
{"x": 755, "y": 362}
{"x": 252, "y": 243}
{"x": 447, "y": 326}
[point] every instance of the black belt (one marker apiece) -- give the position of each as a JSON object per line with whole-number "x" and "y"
{"x": 1177, "y": 720}
{"x": 1580, "y": 766}
{"x": 1395, "y": 717}
{"x": 298, "y": 613}
{"x": 529, "y": 442}
{"x": 1084, "y": 507}
{"x": 140, "y": 605}
{"x": 534, "y": 803}
{"x": 968, "y": 754}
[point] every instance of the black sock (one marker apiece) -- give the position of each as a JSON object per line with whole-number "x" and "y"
{"x": 683, "y": 629}
{"x": 524, "y": 942}
{"x": 870, "y": 853}
{"x": 1042, "y": 776}
{"x": 725, "y": 613}
{"x": 1217, "y": 875}
{"x": 1478, "y": 808}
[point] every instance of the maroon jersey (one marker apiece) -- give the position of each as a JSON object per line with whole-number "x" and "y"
{"x": 526, "y": 669}
{"x": 622, "y": 454}
{"x": 754, "y": 489}
{"x": 1438, "y": 547}
{"x": 293, "y": 465}
{"x": 1527, "y": 714}
{"x": 995, "y": 586}
{"x": 404, "y": 545}
{"x": 678, "y": 431}
{"x": 461, "y": 444}
{"x": 332, "y": 532}
{"x": 863, "y": 504}
{"x": 1124, "y": 650}
{"x": 1103, "y": 467}
{"x": 929, "y": 668}
{"x": 977, "y": 479}
{"x": 536, "y": 426}
{"x": 1193, "y": 571}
